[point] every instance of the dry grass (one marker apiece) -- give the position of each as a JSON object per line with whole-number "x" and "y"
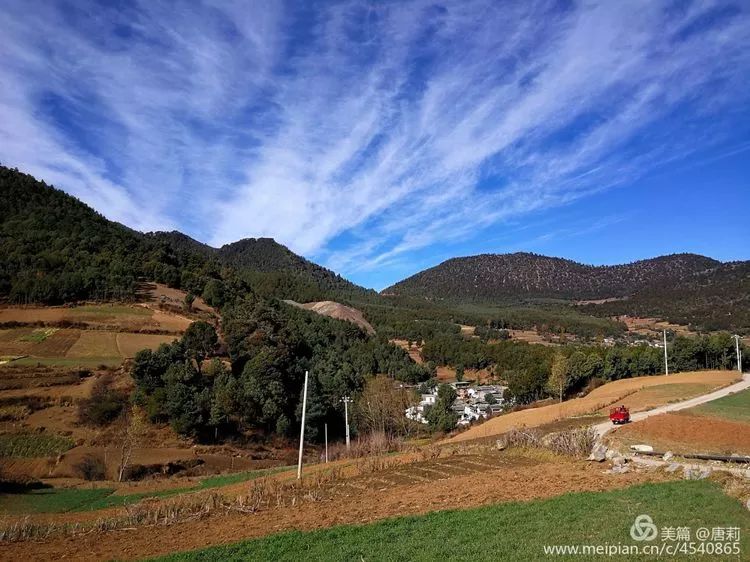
{"x": 94, "y": 343}
{"x": 575, "y": 443}
{"x": 373, "y": 444}
{"x": 129, "y": 344}
{"x": 14, "y": 413}
{"x": 262, "y": 494}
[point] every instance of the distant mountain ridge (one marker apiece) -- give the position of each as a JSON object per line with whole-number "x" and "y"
{"x": 526, "y": 275}
{"x": 56, "y": 249}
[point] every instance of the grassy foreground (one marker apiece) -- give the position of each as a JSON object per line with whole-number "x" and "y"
{"x": 509, "y": 531}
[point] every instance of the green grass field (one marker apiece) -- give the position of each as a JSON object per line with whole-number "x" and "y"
{"x": 28, "y": 445}
{"x": 61, "y": 500}
{"x": 509, "y": 531}
{"x": 734, "y": 407}
{"x": 39, "y": 335}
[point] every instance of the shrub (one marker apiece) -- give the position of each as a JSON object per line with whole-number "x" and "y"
{"x": 105, "y": 405}
{"x": 575, "y": 442}
{"x": 91, "y": 468}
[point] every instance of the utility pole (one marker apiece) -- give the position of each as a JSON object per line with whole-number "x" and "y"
{"x": 739, "y": 353}
{"x": 302, "y": 430}
{"x": 325, "y": 427}
{"x": 666, "y": 357}
{"x": 346, "y": 401}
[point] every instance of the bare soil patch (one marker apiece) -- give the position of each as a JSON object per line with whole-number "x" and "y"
{"x": 145, "y": 317}
{"x": 467, "y": 331}
{"x": 57, "y": 344}
{"x": 651, "y": 326}
{"x": 16, "y": 381}
{"x": 170, "y": 322}
{"x": 338, "y": 311}
{"x": 414, "y": 352}
{"x": 161, "y": 294}
{"x": 14, "y": 342}
{"x": 686, "y": 433}
{"x": 448, "y": 374}
{"x": 529, "y": 336}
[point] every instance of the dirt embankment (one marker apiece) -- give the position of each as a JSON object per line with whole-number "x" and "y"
{"x": 595, "y": 401}
{"x": 338, "y": 311}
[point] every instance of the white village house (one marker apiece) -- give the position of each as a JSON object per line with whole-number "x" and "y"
{"x": 473, "y": 403}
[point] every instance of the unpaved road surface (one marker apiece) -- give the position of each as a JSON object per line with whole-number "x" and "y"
{"x": 744, "y": 384}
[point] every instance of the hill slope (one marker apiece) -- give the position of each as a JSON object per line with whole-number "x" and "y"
{"x": 684, "y": 288}
{"x": 265, "y": 255}
{"x": 497, "y": 276}
{"x": 57, "y": 249}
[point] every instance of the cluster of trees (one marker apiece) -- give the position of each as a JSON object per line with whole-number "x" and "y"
{"x": 270, "y": 346}
{"x": 440, "y": 415}
{"x": 534, "y": 371}
{"x": 56, "y": 249}
{"x": 556, "y": 320}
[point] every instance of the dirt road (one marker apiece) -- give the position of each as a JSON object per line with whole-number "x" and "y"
{"x": 599, "y": 398}
{"x": 605, "y": 427}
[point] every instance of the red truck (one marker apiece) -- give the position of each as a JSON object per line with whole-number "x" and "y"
{"x": 619, "y": 415}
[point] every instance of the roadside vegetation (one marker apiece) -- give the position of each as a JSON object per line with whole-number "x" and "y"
{"x": 528, "y": 368}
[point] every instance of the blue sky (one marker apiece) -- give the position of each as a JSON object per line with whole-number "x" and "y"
{"x": 380, "y": 138}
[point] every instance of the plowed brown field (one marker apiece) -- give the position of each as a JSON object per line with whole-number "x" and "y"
{"x": 458, "y": 482}
{"x": 685, "y": 433}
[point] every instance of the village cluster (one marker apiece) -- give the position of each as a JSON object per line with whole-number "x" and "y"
{"x": 472, "y": 402}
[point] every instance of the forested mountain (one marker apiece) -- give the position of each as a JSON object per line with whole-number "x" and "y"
{"x": 265, "y": 255}
{"x": 684, "y": 288}
{"x": 718, "y": 299}
{"x": 497, "y": 276}
{"x": 56, "y": 249}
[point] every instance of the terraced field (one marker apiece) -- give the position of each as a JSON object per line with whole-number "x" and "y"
{"x": 72, "y": 347}
{"x": 115, "y": 317}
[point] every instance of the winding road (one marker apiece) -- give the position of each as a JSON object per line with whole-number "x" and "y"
{"x": 604, "y": 427}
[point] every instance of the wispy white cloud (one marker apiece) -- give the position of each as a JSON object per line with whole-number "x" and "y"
{"x": 356, "y": 132}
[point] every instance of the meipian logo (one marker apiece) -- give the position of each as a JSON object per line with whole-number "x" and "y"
{"x": 643, "y": 529}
